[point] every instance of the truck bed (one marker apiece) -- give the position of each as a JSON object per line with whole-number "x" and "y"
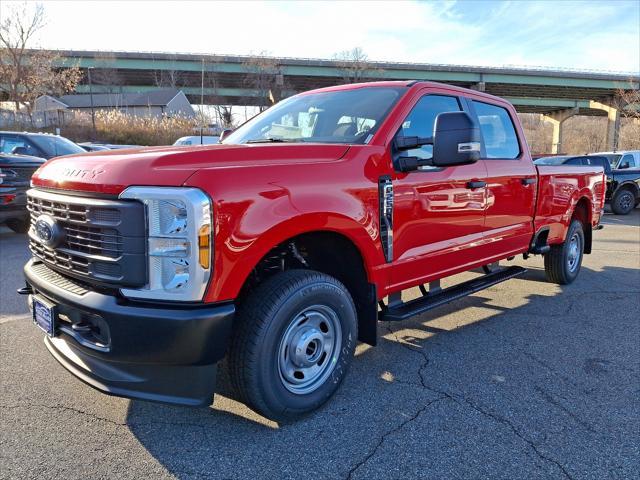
{"x": 559, "y": 190}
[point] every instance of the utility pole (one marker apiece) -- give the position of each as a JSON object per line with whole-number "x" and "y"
{"x": 93, "y": 113}
{"x": 202, "y": 102}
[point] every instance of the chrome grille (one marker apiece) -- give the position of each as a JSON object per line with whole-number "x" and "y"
{"x": 101, "y": 240}
{"x": 78, "y": 237}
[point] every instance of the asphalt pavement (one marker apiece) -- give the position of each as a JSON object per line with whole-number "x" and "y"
{"x": 524, "y": 380}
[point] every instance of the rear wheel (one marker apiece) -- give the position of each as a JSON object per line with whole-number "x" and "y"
{"x": 623, "y": 202}
{"x": 293, "y": 342}
{"x": 562, "y": 263}
{"x": 18, "y": 225}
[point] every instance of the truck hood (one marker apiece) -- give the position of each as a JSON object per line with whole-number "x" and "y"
{"x": 110, "y": 172}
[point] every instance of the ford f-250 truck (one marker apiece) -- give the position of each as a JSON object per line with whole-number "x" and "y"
{"x": 284, "y": 245}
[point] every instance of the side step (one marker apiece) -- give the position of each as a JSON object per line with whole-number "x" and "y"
{"x": 402, "y": 311}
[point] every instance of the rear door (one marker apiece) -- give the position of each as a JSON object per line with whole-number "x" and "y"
{"x": 511, "y": 179}
{"x": 438, "y": 217}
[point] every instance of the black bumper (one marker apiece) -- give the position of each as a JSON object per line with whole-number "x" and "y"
{"x": 164, "y": 353}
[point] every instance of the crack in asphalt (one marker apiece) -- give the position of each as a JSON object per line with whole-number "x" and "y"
{"x": 384, "y": 436}
{"x": 464, "y": 400}
{"x": 102, "y": 419}
{"x": 547, "y": 397}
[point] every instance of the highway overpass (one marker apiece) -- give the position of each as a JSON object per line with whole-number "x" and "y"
{"x": 245, "y": 80}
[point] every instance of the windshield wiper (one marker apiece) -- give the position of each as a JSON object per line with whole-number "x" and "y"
{"x": 274, "y": 140}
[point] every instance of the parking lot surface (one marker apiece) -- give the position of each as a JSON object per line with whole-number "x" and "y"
{"x": 524, "y": 380}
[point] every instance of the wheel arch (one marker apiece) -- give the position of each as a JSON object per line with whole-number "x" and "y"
{"x": 583, "y": 212}
{"x": 331, "y": 244}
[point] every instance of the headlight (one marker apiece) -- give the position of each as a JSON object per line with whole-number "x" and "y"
{"x": 179, "y": 242}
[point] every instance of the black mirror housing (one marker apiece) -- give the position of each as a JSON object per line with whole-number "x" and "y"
{"x": 456, "y": 140}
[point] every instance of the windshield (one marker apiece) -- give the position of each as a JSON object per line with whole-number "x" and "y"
{"x": 550, "y": 160}
{"x": 54, "y": 146}
{"x": 343, "y": 116}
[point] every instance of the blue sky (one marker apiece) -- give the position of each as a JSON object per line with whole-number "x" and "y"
{"x": 562, "y": 34}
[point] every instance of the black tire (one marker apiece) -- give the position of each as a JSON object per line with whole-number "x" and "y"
{"x": 259, "y": 355}
{"x": 560, "y": 263}
{"x": 623, "y": 202}
{"x": 18, "y": 225}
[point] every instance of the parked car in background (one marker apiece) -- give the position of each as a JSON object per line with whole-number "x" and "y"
{"x": 198, "y": 140}
{"x": 93, "y": 147}
{"x": 15, "y": 177}
{"x": 622, "y": 159}
{"x": 43, "y": 145}
{"x": 623, "y": 184}
{"x": 572, "y": 160}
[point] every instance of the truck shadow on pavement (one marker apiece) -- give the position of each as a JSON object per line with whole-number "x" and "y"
{"x": 523, "y": 379}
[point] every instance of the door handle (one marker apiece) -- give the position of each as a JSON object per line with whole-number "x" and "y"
{"x": 528, "y": 181}
{"x": 476, "y": 184}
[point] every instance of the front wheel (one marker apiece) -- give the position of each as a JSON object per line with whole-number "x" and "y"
{"x": 293, "y": 342}
{"x": 623, "y": 202}
{"x": 562, "y": 263}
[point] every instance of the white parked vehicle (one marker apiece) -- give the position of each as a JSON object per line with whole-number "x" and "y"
{"x": 197, "y": 140}
{"x": 622, "y": 159}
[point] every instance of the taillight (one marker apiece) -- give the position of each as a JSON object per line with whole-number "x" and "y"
{"x": 8, "y": 198}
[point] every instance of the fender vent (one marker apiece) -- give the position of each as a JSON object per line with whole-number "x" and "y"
{"x": 385, "y": 195}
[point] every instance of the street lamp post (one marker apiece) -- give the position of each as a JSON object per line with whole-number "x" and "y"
{"x": 93, "y": 114}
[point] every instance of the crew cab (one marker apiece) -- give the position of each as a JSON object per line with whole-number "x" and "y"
{"x": 283, "y": 246}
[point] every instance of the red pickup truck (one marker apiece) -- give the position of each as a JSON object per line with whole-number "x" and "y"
{"x": 284, "y": 245}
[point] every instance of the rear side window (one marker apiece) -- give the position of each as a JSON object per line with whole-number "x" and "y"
{"x": 498, "y": 132}
{"x": 421, "y": 121}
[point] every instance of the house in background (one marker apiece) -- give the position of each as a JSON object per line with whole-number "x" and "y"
{"x": 164, "y": 102}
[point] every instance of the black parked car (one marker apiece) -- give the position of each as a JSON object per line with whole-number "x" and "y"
{"x": 623, "y": 185}
{"x": 43, "y": 145}
{"x": 15, "y": 178}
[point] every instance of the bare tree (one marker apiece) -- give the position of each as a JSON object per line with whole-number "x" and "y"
{"x": 105, "y": 74}
{"x": 629, "y": 100}
{"x": 264, "y": 74}
{"x": 27, "y": 74}
{"x": 355, "y": 65}
{"x": 169, "y": 77}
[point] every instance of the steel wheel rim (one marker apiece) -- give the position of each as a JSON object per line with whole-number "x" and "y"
{"x": 573, "y": 256}
{"x": 625, "y": 201}
{"x": 309, "y": 349}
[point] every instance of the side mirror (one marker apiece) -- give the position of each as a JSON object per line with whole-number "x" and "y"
{"x": 225, "y": 133}
{"x": 456, "y": 140}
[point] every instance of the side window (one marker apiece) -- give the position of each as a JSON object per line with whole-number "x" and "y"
{"x": 498, "y": 132}
{"x": 421, "y": 120}
{"x": 16, "y": 144}
{"x": 574, "y": 161}
{"x": 629, "y": 160}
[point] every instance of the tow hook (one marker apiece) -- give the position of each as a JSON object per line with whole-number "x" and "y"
{"x": 26, "y": 290}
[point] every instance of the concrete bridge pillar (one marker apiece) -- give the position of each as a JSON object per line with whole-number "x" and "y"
{"x": 613, "y": 123}
{"x": 557, "y": 119}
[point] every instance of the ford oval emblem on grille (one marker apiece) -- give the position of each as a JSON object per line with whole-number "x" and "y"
{"x": 47, "y": 231}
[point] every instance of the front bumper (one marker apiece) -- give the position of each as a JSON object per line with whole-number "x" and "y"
{"x": 164, "y": 353}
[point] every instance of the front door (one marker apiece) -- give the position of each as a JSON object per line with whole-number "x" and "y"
{"x": 438, "y": 212}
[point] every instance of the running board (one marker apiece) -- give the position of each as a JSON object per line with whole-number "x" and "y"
{"x": 402, "y": 311}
